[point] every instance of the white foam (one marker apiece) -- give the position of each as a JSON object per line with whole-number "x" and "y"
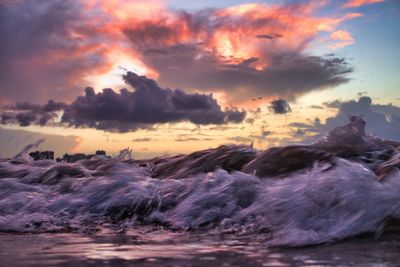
{"x": 307, "y": 208}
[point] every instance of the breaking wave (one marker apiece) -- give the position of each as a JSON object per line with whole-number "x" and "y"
{"x": 298, "y": 195}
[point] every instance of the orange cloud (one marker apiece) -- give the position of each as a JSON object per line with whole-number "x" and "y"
{"x": 89, "y": 39}
{"x": 342, "y": 38}
{"x": 358, "y": 3}
{"x": 237, "y": 33}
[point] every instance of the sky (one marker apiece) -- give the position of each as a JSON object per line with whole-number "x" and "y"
{"x": 170, "y": 76}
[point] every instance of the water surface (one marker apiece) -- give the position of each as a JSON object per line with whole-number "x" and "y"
{"x": 150, "y": 247}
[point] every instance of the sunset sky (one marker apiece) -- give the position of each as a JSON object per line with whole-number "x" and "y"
{"x": 189, "y": 75}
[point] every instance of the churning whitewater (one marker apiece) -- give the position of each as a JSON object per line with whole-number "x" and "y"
{"x": 346, "y": 184}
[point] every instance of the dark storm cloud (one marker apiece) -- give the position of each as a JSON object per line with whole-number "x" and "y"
{"x": 149, "y": 104}
{"x": 280, "y": 106}
{"x": 288, "y": 75}
{"x": 50, "y": 48}
{"x": 382, "y": 120}
{"x": 26, "y": 118}
{"x": 40, "y": 55}
{"x": 25, "y": 113}
{"x": 235, "y": 115}
{"x": 187, "y": 46}
{"x": 125, "y": 111}
{"x": 383, "y": 125}
{"x": 50, "y": 106}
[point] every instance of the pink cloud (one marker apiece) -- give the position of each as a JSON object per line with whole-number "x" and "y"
{"x": 341, "y": 39}
{"x": 358, "y": 3}
{"x": 85, "y": 40}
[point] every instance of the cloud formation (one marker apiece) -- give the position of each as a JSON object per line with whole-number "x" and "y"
{"x": 125, "y": 111}
{"x": 359, "y": 3}
{"x": 341, "y": 38}
{"x": 45, "y": 49}
{"x": 280, "y": 106}
{"x": 288, "y": 75}
{"x": 254, "y": 48}
{"x": 25, "y": 113}
{"x": 149, "y": 104}
{"x": 382, "y": 120}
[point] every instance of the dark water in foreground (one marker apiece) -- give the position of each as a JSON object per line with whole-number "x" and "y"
{"x": 165, "y": 248}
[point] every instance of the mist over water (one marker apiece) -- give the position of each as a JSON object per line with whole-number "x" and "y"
{"x": 330, "y": 199}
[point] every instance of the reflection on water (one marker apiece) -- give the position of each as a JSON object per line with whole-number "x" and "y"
{"x": 149, "y": 247}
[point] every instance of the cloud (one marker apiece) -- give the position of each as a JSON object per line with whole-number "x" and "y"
{"x": 299, "y": 132}
{"x": 240, "y": 139}
{"x": 300, "y": 125}
{"x": 234, "y": 115}
{"x": 223, "y": 128}
{"x": 257, "y": 49}
{"x": 125, "y": 111}
{"x": 341, "y": 39}
{"x": 142, "y": 139}
{"x": 382, "y": 120}
{"x": 191, "y": 139}
{"x": 47, "y": 49}
{"x": 269, "y": 36}
{"x": 288, "y": 75}
{"x": 265, "y": 133}
{"x": 51, "y": 48}
{"x": 333, "y": 104}
{"x": 25, "y": 113}
{"x": 280, "y": 106}
{"x": 359, "y": 3}
{"x": 149, "y": 104}
{"x": 316, "y": 107}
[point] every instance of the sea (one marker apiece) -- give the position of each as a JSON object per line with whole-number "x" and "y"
{"x": 201, "y": 209}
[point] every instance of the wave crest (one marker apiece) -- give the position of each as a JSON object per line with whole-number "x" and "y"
{"x": 298, "y": 194}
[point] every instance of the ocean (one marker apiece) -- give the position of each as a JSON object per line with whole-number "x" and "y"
{"x": 317, "y": 205}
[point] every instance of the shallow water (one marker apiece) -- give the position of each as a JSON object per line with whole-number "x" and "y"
{"x": 150, "y": 247}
